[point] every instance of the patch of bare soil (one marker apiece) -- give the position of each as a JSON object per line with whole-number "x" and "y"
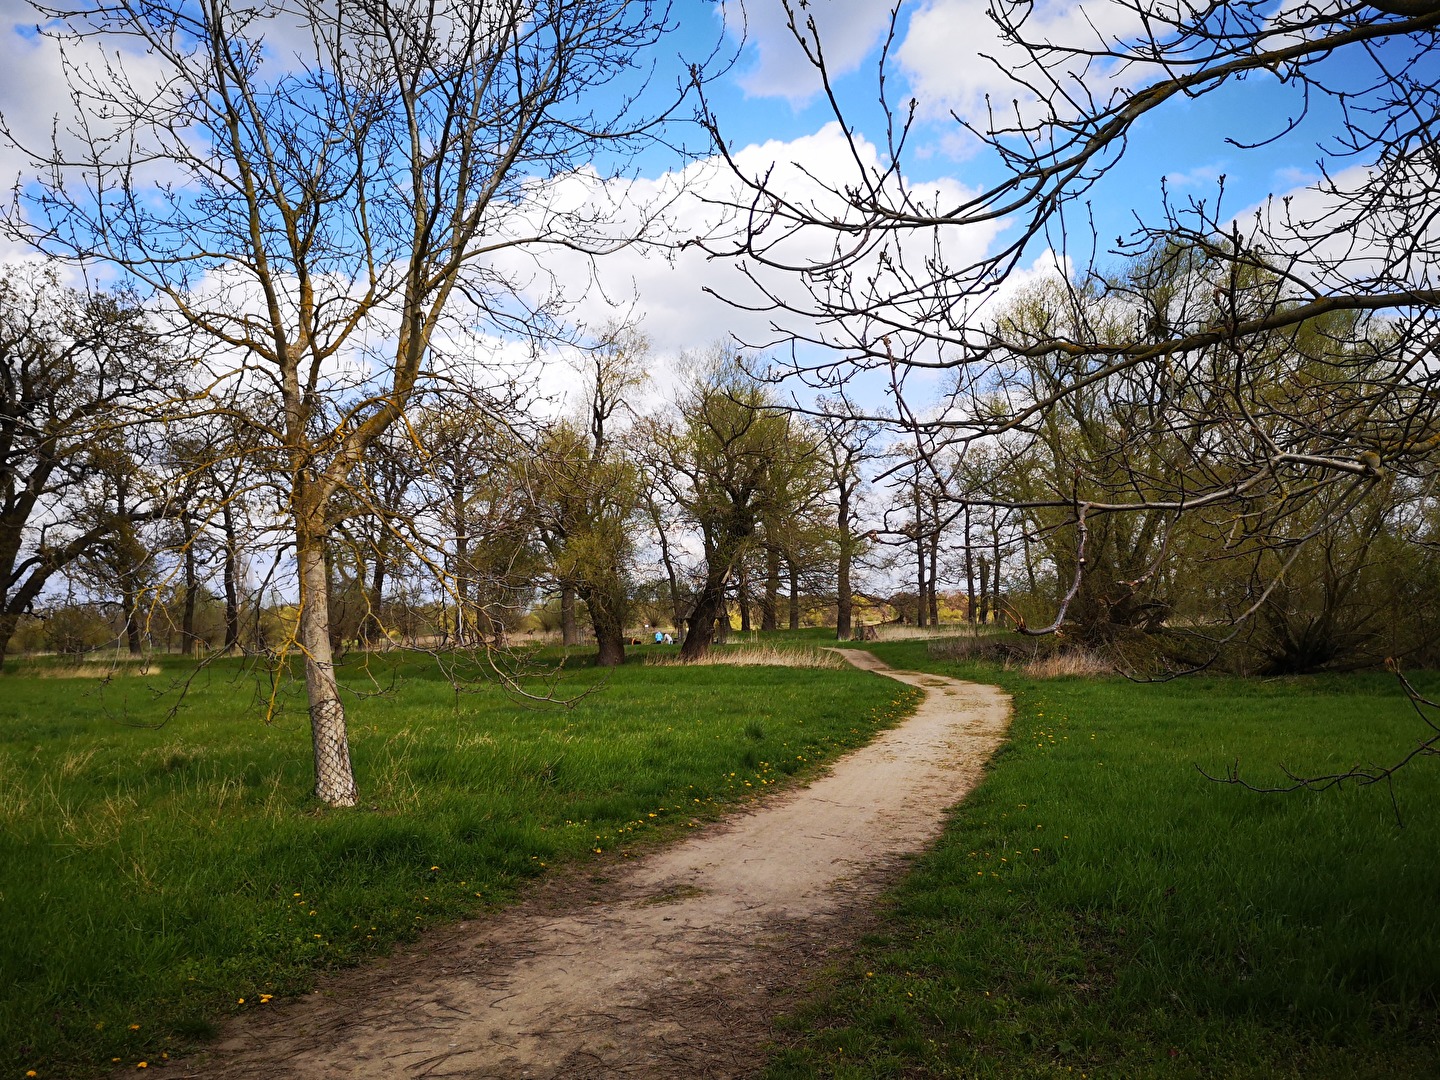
{"x": 674, "y": 965}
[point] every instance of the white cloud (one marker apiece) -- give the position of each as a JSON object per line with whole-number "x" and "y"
{"x": 1355, "y": 231}
{"x": 847, "y": 31}
{"x": 1292, "y": 178}
{"x": 1199, "y": 176}
{"x": 954, "y": 56}
{"x": 666, "y": 287}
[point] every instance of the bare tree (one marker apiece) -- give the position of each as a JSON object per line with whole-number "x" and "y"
{"x": 715, "y": 461}
{"x": 78, "y": 371}
{"x": 587, "y": 493}
{"x": 313, "y": 189}
{"x": 1202, "y": 305}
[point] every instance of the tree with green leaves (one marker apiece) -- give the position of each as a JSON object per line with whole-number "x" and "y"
{"x": 587, "y": 491}
{"x": 719, "y": 458}
{"x": 78, "y": 374}
{"x": 319, "y": 206}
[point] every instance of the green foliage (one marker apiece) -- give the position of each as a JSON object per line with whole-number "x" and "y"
{"x": 1211, "y": 484}
{"x": 154, "y": 876}
{"x": 1098, "y": 909}
{"x": 74, "y": 629}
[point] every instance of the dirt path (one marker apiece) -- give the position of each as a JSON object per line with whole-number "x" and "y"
{"x": 672, "y": 967}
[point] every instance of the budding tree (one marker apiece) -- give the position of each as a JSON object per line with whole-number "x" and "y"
{"x": 901, "y": 277}
{"x": 313, "y": 189}
{"x": 76, "y": 373}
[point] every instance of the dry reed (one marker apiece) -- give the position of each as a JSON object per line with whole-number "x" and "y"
{"x": 91, "y": 670}
{"x": 758, "y": 656}
{"x": 1070, "y": 662}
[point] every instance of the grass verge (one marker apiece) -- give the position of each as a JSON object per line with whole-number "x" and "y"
{"x": 1098, "y": 909}
{"x": 155, "y": 878}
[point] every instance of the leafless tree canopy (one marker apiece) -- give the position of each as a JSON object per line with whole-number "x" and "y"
{"x": 323, "y": 197}
{"x": 1249, "y": 363}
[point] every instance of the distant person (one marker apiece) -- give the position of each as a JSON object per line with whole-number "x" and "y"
{"x": 659, "y": 637}
{"x": 669, "y": 640}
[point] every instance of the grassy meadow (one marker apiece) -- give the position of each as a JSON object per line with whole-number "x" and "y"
{"x": 159, "y": 872}
{"x": 1098, "y": 909}
{"x": 1095, "y": 909}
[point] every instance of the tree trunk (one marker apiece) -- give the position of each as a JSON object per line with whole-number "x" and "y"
{"x": 969, "y": 573}
{"x": 984, "y": 590}
{"x": 337, "y": 642}
{"x": 722, "y": 620}
{"x": 742, "y": 597}
{"x": 131, "y": 604}
{"x": 192, "y": 589}
{"x": 8, "y": 623}
{"x": 770, "y": 605}
{"x": 609, "y": 623}
{"x": 231, "y": 576}
{"x": 794, "y": 595}
{"x": 677, "y": 616}
{"x": 844, "y": 599}
{"x": 707, "y": 608}
{"x": 334, "y": 780}
{"x": 373, "y": 628}
{"x": 920, "y": 592}
{"x": 995, "y": 580}
{"x": 569, "y": 629}
{"x": 1029, "y": 562}
{"x": 465, "y": 627}
{"x": 932, "y": 596}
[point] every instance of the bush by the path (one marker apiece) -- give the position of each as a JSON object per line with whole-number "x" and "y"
{"x": 1098, "y": 909}
{"x": 154, "y": 879}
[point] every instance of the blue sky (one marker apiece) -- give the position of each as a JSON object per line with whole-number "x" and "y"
{"x": 1186, "y": 141}
{"x": 768, "y": 99}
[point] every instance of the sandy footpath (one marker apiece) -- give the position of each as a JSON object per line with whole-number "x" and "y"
{"x": 672, "y": 965}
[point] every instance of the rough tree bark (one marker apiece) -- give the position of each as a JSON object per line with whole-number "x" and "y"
{"x": 569, "y": 628}
{"x": 192, "y": 589}
{"x": 231, "y": 576}
{"x": 334, "y": 779}
{"x": 844, "y": 598}
{"x": 794, "y": 572}
{"x": 742, "y": 599}
{"x": 770, "y": 606}
{"x": 969, "y": 573}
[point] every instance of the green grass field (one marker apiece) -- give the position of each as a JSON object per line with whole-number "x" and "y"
{"x": 1098, "y": 909}
{"x": 153, "y": 877}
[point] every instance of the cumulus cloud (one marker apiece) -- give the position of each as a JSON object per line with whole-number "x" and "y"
{"x": 847, "y": 31}
{"x": 675, "y": 291}
{"x": 954, "y": 56}
{"x": 1199, "y": 176}
{"x": 679, "y": 292}
{"x": 1355, "y": 230}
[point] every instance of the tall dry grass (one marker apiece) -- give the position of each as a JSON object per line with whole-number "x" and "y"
{"x": 756, "y": 656}
{"x": 902, "y": 632}
{"x": 1069, "y": 662}
{"x": 96, "y": 669}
